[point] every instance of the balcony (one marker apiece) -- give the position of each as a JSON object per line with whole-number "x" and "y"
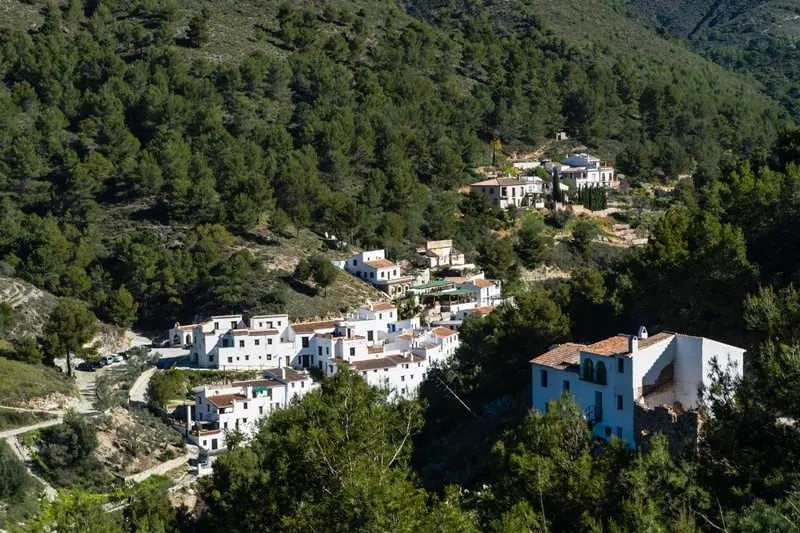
{"x": 594, "y": 414}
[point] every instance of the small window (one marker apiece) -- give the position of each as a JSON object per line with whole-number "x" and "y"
{"x": 352, "y": 351}
{"x": 305, "y": 342}
{"x": 608, "y": 431}
{"x": 269, "y": 341}
{"x": 269, "y": 357}
{"x": 355, "y": 262}
{"x": 216, "y": 325}
{"x": 261, "y": 409}
{"x": 566, "y": 385}
{"x": 241, "y": 344}
{"x": 621, "y": 365}
{"x": 233, "y": 324}
{"x": 402, "y": 378}
{"x": 619, "y": 402}
{"x": 246, "y": 357}
{"x": 544, "y": 379}
{"x": 600, "y": 373}
{"x": 257, "y": 342}
{"x": 245, "y": 405}
{"x": 319, "y": 350}
{"x": 230, "y": 359}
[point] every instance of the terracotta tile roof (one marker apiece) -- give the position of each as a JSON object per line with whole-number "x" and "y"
{"x": 380, "y": 263}
{"x": 373, "y": 364}
{"x": 561, "y": 356}
{"x": 442, "y": 332}
{"x": 291, "y": 374}
{"x": 569, "y": 353}
{"x": 482, "y": 283}
{"x": 257, "y": 383}
{"x": 609, "y": 346}
{"x": 457, "y": 280}
{"x": 310, "y": 327}
{"x": 189, "y": 327}
{"x": 225, "y": 400}
{"x": 380, "y": 306}
{"x": 495, "y": 182}
{"x": 375, "y": 349}
{"x": 400, "y": 359}
{"x": 255, "y": 332}
{"x": 483, "y": 310}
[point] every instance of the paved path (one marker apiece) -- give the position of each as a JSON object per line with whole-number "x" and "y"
{"x": 139, "y": 387}
{"x": 22, "y": 454}
{"x": 40, "y": 425}
{"x": 32, "y": 410}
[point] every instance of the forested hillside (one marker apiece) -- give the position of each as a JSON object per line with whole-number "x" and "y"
{"x": 138, "y": 134}
{"x": 754, "y": 36}
{"x": 162, "y": 158}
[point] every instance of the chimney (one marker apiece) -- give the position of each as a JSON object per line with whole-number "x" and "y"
{"x": 642, "y": 332}
{"x": 283, "y": 372}
{"x": 633, "y": 344}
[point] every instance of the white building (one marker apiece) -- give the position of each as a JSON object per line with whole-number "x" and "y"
{"x": 374, "y": 268}
{"x": 182, "y": 335}
{"x": 585, "y": 170}
{"x": 622, "y": 382}
{"x": 242, "y": 405}
{"x": 504, "y": 192}
{"x": 437, "y": 254}
{"x": 225, "y": 342}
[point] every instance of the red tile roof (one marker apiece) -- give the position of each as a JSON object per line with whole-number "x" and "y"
{"x": 380, "y": 306}
{"x": 225, "y": 400}
{"x": 442, "y": 332}
{"x": 561, "y": 356}
{"x": 310, "y": 327}
{"x": 568, "y": 353}
{"x": 380, "y": 263}
{"x": 482, "y": 283}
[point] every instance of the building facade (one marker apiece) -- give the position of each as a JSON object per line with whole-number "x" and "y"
{"x": 373, "y": 267}
{"x": 621, "y": 382}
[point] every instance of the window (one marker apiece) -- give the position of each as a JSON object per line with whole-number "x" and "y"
{"x": 608, "y": 431}
{"x": 225, "y": 425}
{"x": 621, "y": 365}
{"x": 600, "y": 373}
{"x": 269, "y": 357}
{"x": 587, "y": 372}
{"x": 372, "y": 274}
{"x": 211, "y": 357}
{"x": 257, "y": 342}
{"x": 230, "y": 359}
{"x": 261, "y": 324}
{"x": 269, "y": 325}
{"x": 483, "y": 189}
{"x": 216, "y": 325}
{"x": 402, "y": 378}
{"x": 246, "y": 357}
{"x": 364, "y": 374}
{"x": 543, "y": 381}
{"x": 566, "y": 385}
{"x": 513, "y": 191}
{"x": 352, "y": 351}
{"x": 619, "y": 402}
{"x": 503, "y": 192}
{"x": 269, "y": 341}
{"x": 355, "y": 262}
{"x": 233, "y": 324}
{"x": 619, "y": 432}
{"x": 319, "y": 350}
{"x": 305, "y": 342}
{"x": 491, "y": 190}
{"x": 245, "y": 405}
{"x": 241, "y": 344}
{"x": 261, "y": 409}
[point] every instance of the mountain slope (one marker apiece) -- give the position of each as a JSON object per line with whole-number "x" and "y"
{"x": 754, "y": 36}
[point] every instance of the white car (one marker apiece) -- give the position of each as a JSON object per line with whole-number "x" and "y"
{"x": 117, "y": 358}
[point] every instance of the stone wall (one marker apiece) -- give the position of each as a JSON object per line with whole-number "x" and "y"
{"x": 680, "y": 427}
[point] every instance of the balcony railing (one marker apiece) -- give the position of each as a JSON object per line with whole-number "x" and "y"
{"x": 594, "y": 414}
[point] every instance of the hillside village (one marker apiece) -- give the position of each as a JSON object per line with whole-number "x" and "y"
{"x": 353, "y": 266}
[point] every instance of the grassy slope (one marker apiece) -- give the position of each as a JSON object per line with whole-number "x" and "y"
{"x": 10, "y": 419}
{"x": 20, "y": 382}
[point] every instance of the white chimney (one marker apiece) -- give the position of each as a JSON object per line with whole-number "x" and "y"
{"x": 283, "y": 372}
{"x": 633, "y": 344}
{"x": 642, "y": 332}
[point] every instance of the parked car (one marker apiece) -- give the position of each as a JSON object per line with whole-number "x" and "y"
{"x": 86, "y": 366}
{"x": 117, "y": 358}
{"x": 107, "y": 360}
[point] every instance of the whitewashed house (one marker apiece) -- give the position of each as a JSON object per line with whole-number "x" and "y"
{"x": 374, "y": 268}
{"x": 226, "y": 343}
{"x": 437, "y": 254}
{"x": 632, "y": 386}
{"x": 242, "y": 405}
{"x": 585, "y": 170}
{"x": 487, "y": 292}
{"x": 503, "y": 192}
